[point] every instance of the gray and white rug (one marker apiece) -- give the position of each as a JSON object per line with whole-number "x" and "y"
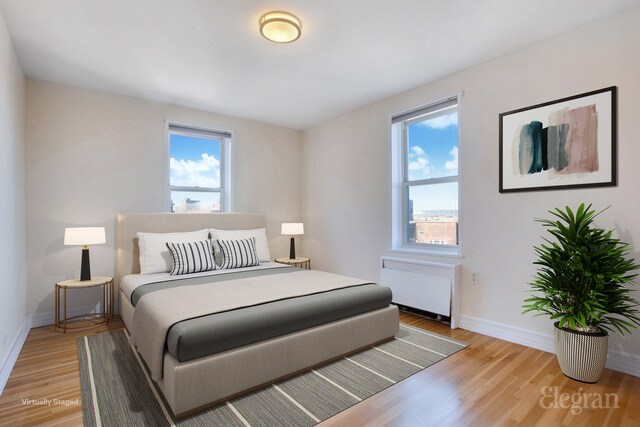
{"x": 116, "y": 390}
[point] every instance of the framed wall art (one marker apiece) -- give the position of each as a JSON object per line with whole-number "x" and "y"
{"x": 567, "y": 143}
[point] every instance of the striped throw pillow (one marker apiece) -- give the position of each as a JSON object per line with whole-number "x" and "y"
{"x": 191, "y": 257}
{"x": 239, "y": 253}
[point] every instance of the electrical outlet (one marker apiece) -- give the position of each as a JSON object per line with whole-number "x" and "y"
{"x": 4, "y": 340}
{"x": 474, "y": 277}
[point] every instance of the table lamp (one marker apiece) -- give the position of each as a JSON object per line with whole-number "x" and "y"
{"x": 292, "y": 229}
{"x": 84, "y": 236}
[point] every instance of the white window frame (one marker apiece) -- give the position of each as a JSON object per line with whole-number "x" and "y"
{"x": 226, "y": 138}
{"x": 400, "y": 184}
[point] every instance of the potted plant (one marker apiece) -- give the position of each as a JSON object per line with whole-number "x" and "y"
{"x": 581, "y": 283}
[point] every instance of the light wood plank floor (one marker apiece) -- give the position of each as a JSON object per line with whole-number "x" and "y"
{"x": 491, "y": 383}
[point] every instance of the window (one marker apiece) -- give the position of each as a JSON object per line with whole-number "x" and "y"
{"x": 198, "y": 165}
{"x": 425, "y": 178}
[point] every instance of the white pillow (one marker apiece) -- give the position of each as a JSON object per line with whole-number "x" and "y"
{"x": 154, "y": 254}
{"x": 260, "y": 234}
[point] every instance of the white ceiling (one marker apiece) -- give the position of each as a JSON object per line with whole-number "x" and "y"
{"x": 208, "y": 54}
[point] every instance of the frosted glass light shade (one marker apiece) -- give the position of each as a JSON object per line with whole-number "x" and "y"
{"x": 280, "y": 27}
{"x": 84, "y": 236}
{"x": 292, "y": 228}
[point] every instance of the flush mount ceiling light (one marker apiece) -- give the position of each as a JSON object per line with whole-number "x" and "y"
{"x": 280, "y": 27}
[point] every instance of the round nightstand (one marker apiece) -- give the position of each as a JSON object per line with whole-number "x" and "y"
{"x": 107, "y": 300}
{"x": 301, "y": 262}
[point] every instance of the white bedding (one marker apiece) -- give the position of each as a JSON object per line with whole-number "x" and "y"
{"x": 132, "y": 281}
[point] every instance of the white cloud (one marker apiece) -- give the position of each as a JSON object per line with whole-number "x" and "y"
{"x": 416, "y": 150}
{"x": 189, "y": 173}
{"x": 441, "y": 122}
{"x": 452, "y": 165}
{"x": 418, "y": 161}
{"x": 420, "y": 164}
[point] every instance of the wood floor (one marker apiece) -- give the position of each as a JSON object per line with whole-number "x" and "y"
{"x": 491, "y": 383}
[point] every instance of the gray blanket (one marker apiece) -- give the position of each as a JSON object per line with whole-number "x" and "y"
{"x": 156, "y": 312}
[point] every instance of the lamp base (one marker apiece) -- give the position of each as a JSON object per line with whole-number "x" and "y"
{"x": 292, "y": 249}
{"x": 85, "y": 269}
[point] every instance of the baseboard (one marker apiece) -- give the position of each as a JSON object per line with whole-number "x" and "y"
{"x": 623, "y": 362}
{"x": 509, "y": 333}
{"x": 12, "y": 355}
{"x": 618, "y": 361}
{"x": 48, "y": 318}
{"x": 34, "y": 321}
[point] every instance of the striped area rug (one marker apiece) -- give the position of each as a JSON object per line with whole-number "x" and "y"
{"x": 117, "y": 391}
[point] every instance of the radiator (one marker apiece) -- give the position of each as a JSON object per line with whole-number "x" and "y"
{"x": 427, "y": 286}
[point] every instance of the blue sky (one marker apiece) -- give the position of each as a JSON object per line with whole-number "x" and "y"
{"x": 433, "y": 147}
{"x": 432, "y": 153}
{"x": 194, "y": 161}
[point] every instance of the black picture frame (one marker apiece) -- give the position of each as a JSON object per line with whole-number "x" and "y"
{"x": 566, "y": 152}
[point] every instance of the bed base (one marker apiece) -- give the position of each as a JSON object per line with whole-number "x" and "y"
{"x": 196, "y": 384}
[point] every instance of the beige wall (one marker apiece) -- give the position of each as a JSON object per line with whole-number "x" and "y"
{"x": 91, "y": 155}
{"x": 347, "y": 167}
{"x": 13, "y": 283}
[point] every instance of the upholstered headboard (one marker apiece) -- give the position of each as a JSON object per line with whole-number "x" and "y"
{"x": 131, "y": 223}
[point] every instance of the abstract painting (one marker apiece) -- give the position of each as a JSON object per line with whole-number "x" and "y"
{"x": 567, "y": 143}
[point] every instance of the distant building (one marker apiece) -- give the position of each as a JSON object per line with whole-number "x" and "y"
{"x": 192, "y": 205}
{"x": 185, "y": 205}
{"x": 442, "y": 231}
{"x": 434, "y": 227}
{"x": 411, "y": 228}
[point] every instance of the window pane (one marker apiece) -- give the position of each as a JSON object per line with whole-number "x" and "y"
{"x": 433, "y": 214}
{"x": 432, "y": 147}
{"x": 194, "y": 161}
{"x": 195, "y": 201}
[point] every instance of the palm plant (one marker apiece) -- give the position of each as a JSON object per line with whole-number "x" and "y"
{"x": 582, "y": 276}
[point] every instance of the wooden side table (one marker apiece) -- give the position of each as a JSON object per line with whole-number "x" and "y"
{"x": 107, "y": 300}
{"x": 301, "y": 262}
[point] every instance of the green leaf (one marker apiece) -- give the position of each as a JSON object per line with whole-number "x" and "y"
{"x": 584, "y": 275}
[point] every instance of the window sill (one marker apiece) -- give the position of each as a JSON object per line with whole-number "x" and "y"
{"x": 446, "y": 253}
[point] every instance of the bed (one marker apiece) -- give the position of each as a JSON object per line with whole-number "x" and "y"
{"x": 245, "y": 327}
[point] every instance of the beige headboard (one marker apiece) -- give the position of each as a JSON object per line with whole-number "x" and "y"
{"x": 131, "y": 223}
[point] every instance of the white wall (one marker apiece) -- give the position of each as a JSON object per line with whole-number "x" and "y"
{"x": 12, "y": 184}
{"x": 91, "y": 155}
{"x": 347, "y": 184}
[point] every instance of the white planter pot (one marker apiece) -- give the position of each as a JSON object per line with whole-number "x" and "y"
{"x": 581, "y": 355}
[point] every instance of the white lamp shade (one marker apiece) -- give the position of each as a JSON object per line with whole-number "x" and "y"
{"x": 84, "y": 236}
{"x": 292, "y": 228}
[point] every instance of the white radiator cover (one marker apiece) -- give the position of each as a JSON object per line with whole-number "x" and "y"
{"x": 423, "y": 285}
